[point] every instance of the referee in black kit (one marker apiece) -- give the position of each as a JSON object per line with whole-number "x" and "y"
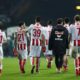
{"x": 58, "y": 43}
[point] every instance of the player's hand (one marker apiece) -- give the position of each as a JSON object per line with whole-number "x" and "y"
{"x": 43, "y": 49}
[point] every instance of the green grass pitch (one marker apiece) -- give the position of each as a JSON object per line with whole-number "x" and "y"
{"x": 11, "y": 71}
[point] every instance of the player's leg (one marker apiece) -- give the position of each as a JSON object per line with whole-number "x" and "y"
{"x": 24, "y": 62}
{"x": 79, "y": 58}
{"x": 1, "y": 58}
{"x": 37, "y": 63}
{"x": 61, "y": 60}
{"x": 57, "y": 63}
{"x": 38, "y": 52}
{"x": 79, "y": 64}
{"x": 32, "y": 60}
{"x": 21, "y": 63}
{"x": 71, "y": 48}
{"x": 49, "y": 59}
{"x": 1, "y": 66}
{"x": 76, "y": 61}
{"x": 24, "y": 58}
{"x": 65, "y": 62}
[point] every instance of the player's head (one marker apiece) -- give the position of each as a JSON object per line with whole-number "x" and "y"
{"x": 37, "y": 19}
{"x": 66, "y": 20}
{"x": 49, "y": 22}
{"x": 21, "y": 25}
{"x": 60, "y": 21}
{"x": 77, "y": 18}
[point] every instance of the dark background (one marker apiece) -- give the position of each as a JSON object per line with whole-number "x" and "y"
{"x": 13, "y": 11}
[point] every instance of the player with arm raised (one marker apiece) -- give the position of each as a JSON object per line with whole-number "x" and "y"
{"x": 36, "y": 31}
{"x": 2, "y": 39}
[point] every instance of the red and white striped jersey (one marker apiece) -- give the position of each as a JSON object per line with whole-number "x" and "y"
{"x": 75, "y": 32}
{"x": 36, "y": 31}
{"x": 47, "y": 33}
{"x": 21, "y": 40}
{"x": 2, "y": 37}
{"x": 67, "y": 26}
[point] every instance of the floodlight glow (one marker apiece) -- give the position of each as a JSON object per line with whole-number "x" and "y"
{"x": 77, "y": 7}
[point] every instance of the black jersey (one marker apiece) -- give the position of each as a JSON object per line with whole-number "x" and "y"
{"x": 58, "y": 41}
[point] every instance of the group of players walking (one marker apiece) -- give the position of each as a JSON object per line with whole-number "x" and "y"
{"x": 53, "y": 41}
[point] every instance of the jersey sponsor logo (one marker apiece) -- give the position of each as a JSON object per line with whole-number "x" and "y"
{"x": 59, "y": 34}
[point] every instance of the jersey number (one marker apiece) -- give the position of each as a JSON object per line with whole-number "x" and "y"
{"x": 36, "y": 32}
{"x": 20, "y": 37}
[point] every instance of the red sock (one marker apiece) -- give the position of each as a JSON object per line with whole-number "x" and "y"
{"x": 0, "y": 70}
{"x": 49, "y": 63}
{"x": 21, "y": 65}
{"x": 79, "y": 65}
{"x": 37, "y": 64}
{"x": 24, "y": 61}
{"x": 65, "y": 64}
{"x": 33, "y": 61}
{"x": 76, "y": 65}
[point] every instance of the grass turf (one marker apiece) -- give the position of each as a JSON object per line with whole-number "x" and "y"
{"x": 11, "y": 71}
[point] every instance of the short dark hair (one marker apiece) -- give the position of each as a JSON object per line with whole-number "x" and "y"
{"x": 66, "y": 20}
{"x": 49, "y": 22}
{"x": 21, "y": 23}
{"x": 59, "y": 20}
{"x": 77, "y": 17}
{"x": 37, "y": 19}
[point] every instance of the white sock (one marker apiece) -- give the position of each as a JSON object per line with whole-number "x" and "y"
{"x": 31, "y": 60}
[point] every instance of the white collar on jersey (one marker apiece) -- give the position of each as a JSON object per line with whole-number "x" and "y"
{"x": 49, "y": 26}
{"x": 37, "y": 24}
{"x": 66, "y": 25}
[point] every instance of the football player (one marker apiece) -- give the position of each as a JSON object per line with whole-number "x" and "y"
{"x": 67, "y": 26}
{"x": 75, "y": 33}
{"x": 2, "y": 39}
{"x": 48, "y": 53}
{"x": 21, "y": 46}
{"x": 36, "y": 31}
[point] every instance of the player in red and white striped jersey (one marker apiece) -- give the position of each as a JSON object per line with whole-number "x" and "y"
{"x": 47, "y": 52}
{"x": 36, "y": 31}
{"x": 21, "y": 46}
{"x": 67, "y": 26}
{"x": 2, "y": 39}
{"x": 75, "y": 33}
